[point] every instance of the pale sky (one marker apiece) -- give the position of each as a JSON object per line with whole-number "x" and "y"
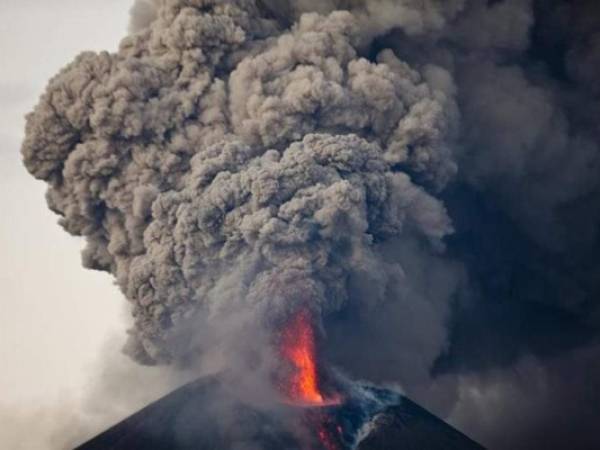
{"x": 57, "y": 320}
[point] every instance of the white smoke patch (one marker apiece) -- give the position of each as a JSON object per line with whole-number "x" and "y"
{"x": 37, "y": 428}
{"x": 117, "y": 387}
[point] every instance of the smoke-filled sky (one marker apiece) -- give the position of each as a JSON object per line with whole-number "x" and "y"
{"x": 37, "y": 262}
{"x": 58, "y": 323}
{"x": 422, "y": 176}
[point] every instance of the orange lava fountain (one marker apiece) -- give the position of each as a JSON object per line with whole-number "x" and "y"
{"x": 301, "y": 387}
{"x": 298, "y": 348}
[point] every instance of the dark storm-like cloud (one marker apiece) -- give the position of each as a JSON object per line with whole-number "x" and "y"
{"x": 423, "y": 174}
{"x": 526, "y": 211}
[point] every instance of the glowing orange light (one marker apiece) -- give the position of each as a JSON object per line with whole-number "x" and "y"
{"x": 326, "y": 439}
{"x": 301, "y": 384}
{"x": 298, "y": 347}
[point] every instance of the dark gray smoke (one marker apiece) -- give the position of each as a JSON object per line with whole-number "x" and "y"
{"x": 219, "y": 164}
{"x": 424, "y": 175}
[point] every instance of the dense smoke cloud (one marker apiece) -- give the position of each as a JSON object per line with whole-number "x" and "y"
{"x": 206, "y": 163}
{"x": 513, "y": 408}
{"x": 422, "y": 174}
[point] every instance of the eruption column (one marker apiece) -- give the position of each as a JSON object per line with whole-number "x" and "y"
{"x": 302, "y": 385}
{"x": 298, "y": 348}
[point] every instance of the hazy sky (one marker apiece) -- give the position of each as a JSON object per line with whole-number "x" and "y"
{"x": 521, "y": 363}
{"x": 55, "y": 317}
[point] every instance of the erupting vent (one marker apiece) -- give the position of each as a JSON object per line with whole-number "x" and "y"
{"x": 370, "y": 418}
{"x": 298, "y": 348}
{"x": 301, "y": 383}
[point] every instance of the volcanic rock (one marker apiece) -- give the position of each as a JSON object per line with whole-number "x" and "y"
{"x": 201, "y": 416}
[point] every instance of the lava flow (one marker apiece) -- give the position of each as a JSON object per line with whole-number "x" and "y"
{"x": 298, "y": 348}
{"x": 301, "y": 386}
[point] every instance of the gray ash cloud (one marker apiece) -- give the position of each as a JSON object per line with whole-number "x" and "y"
{"x": 217, "y": 153}
{"x": 423, "y": 175}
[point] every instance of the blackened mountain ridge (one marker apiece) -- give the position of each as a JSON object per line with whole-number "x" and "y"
{"x": 193, "y": 418}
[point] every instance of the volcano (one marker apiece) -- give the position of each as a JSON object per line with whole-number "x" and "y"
{"x": 193, "y": 417}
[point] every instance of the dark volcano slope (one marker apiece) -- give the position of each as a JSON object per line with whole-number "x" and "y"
{"x": 201, "y": 416}
{"x": 407, "y": 426}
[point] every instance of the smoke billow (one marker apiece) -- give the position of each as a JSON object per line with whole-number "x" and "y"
{"x": 422, "y": 175}
{"x": 216, "y": 156}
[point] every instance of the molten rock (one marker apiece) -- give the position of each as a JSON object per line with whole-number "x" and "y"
{"x": 200, "y": 416}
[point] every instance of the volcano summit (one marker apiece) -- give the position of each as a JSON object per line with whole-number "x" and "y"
{"x": 185, "y": 420}
{"x": 300, "y": 193}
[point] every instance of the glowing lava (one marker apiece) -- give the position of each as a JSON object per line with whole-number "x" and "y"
{"x": 298, "y": 348}
{"x": 327, "y": 435}
{"x": 301, "y": 383}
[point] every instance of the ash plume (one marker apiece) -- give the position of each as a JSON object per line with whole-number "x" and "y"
{"x": 217, "y": 156}
{"x": 423, "y": 175}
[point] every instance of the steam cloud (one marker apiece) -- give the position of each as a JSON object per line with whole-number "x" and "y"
{"x": 235, "y": 159}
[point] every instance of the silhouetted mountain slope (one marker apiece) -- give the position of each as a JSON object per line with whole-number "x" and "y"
{"x": 201, "y": 416}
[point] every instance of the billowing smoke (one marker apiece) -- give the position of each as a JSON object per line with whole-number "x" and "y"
{"x": 218, "y": 163}
{"x": 422, "y": 175}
